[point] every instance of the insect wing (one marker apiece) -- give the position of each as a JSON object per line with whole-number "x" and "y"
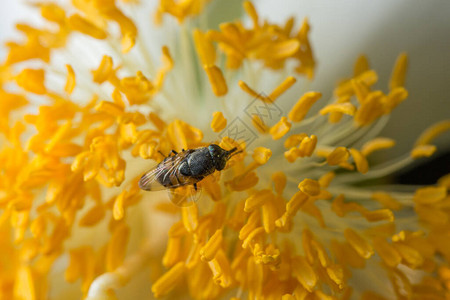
{"x": 164, "y": 172}
{"x": 149, "y": 181}
{"x": 185, "y": 196}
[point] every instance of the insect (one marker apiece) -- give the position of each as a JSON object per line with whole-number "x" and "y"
{"x": 185, "y": 169}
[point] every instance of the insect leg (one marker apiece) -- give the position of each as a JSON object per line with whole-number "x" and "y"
{"x": 174, "y": 152}
{"x": 195, "y": 186}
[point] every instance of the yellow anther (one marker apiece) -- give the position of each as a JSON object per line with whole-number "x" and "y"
{"x": 242, "y": 183}
{"x": 283, "y": 87}
{"x": 432, "y": 132}
{"x": 310, "y": 187}
{"x": 217, "y": 80}
{"x": 70, "y": 81}
{"x": 399, "y": 72}
{"x": 376, "y": 144}
{"x": 252, "y": 223}
{"x": 292, "y": 154}
{"x": 117, "y": 246}
{"x": 304, "y": 273}
{"x": 173, "y": 252}
{"x": 361, "y": 162}
{"x": 395, "y": 97}
{"x": 32, "y": 80}
{"x": 279, "y": 180}
{"x": 294, "y": 140}
{"x": 342, "y": 108}
{"x": 251, "y": 12}
{"x": 308, "y": 145}
{"x": 371, "y": 109}
{"x": 387, "y": 252}
{"x": 84, "y": 26}
{"x": 280, "y": 129}
{"x": 338, "y": 156}
{"x": 410, "y": 256}
{"x": 257, "y": 199}
{"x": 189, "y": 216}
{"x": 269, "y": 214}
{"x": 104, "y": 70}
{"x": 169, "y": 280}
{"x": 259, "y": 124}
{"x": 361, "y": 65}
{"x": 358, "y": 243}
{"x": 361, "y": 90}
{"x": 251, "y": 91}
{"x": 221, "y": 270}
{"x": 208, "y": 252}
{"x": 326, "y": 179}
{"x": 430, "y": 195}
{"x": 205, "y": 48}
{"x": 261, "y": 155}
{"x": 301, "y": 108}
{"x": 368, "y": 77}
{"x": 386, "y": 200}
{"x": 335, "y": 117}
{"x": 423, "y": 151}
{"x": 109, "y": 108}
{"x": 218, "y": 122}
{"x": 252, "y": 235}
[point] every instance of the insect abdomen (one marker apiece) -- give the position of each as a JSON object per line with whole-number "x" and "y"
{"x": 200, "y": 163}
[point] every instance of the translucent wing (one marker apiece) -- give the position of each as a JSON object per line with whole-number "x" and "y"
{"x": 185, "y": 195}
{"x": 165, "y": 175}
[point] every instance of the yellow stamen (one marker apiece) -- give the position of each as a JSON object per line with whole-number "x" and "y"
{"x": 386, "y": 200}
{"x": 70, "y": 82}
{"x": 259, "y": 124}
{"x": 387, "y": 252}
{"x": 301, "y": 108}
{"x": 326, "y": 179}
{"x": 279, "y": 181}
{"x": 24, "y": 287}
{"x": 242, "y": 183}
{"x": 368, "y": 77}
{"x": 304, "y": 273}
{"x": 432, "y": 132}
{"x": 32, "y": 80}
{"x": 335, "y": 117}
{"x": 209, "y": 251}
{"x": 84, "y": 26}
{"x": 399, "y": 72}
{"x": 283, "y": 87}
{"x": 116, "y": 250}
{"x": 359, "y": 244}
{"x": 361, "y": 65}
{"x": 189, "y": 215}
{"x": 307, "y": 146}
{"x": 269, "y": 214}
{"x": 93, "y": 216}
{"x": 338, "y": 156}
{"x": 104, "y": 70}
{"x": 221, "y": 270}
{"x": 280, "y": 129}
{"x": 251, "y": 236}
{"x": 361, "y": 162}
{"x": 218, "y": 122}
{"x": 376, "y": 144}
{"x": 371, "y": 109}
{"x": 257, "y": 199}
{"x": 169, "y": 280}
{"x": 423, "y": 151}
{"x": 217, "y": 80}
{"x": 261, "y": 155}
{"x": 410, "y": 256}
{"x": 251, "y": 12}
{"x": 341, "y": 108}
{"x": 430, "y": 195}
{"x": 173, "y": 252}
{"x": 252, "y": 92}
{"x": 310, "y": 187}
{"x": 205, "y": 48}
{"x": 294, "y": 140}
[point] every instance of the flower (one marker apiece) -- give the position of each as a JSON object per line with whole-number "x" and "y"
{"x": 86, "y": 105}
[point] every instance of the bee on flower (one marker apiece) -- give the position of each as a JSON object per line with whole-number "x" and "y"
{"x": 291, "y": 208}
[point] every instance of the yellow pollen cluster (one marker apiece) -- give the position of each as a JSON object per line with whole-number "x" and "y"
{"x": 290, "y": 216}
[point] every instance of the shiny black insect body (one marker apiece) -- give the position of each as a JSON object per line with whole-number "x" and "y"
{"x": 186, "y": 168}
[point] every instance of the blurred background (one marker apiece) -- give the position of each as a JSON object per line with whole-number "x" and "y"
{"x": 342, "y": 30}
